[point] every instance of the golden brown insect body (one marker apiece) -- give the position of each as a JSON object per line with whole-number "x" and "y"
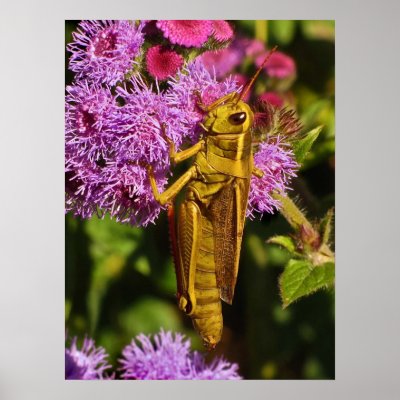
{"x": 207, "y": 241}
{"x": 211, "y": 218}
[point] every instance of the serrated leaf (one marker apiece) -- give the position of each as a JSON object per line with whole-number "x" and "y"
{"x": 284, "y": 241}
{"x": 300, "y": 278}
{"x": 325, "y": 227}
{"x": 283, "y": 30}
{"x": 303, "y": 146}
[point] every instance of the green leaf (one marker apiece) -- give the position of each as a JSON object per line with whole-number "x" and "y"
{"x": 301, "y": 278}
{"x": 303, "y": 146}
{"x": 319, "y": 29}
{"x": 283, "y": 30}
{"x": 147, "y": 315}
{"x": 284, "y": 241}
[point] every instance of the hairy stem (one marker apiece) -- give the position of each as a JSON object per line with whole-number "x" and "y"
{"x": 292, "y": 213}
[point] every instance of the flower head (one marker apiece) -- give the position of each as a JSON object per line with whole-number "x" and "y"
{"x": 188, "y": 33}
{"x": 222, "y": 31}
{"x": 276, "y": 161}
{"x": 108, "y": 148}
{"x": 91, "y": 130}
{"x": 90, "y": 120}
{"x": 86, "y": 363}
{"x": 148, "y": 118}
{"x": 192, "y": 85}
{"x": 162, "y": 62}
{"x": 279, "y": 65}
{"x": 103, "y": 51}
{"x": 221, "y": 62}
{"x": 272, "y": 98}
{"x": 168, "y": 356}
{"x": 218, "y": 369}
{"x": 251, "y": 47}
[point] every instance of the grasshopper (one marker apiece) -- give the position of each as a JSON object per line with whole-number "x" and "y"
{"x": 207, "y": 238}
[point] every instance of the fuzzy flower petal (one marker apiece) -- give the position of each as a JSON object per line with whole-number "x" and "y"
{"x": 186, "y": 32}
{"x": 103, "y": 51}
{"x": 90, "y": 136}
{"x": 278, "y": 66}
{"x": 89, "y": 126}
{"x": 250, "y": 47}
{"x": 218, "y": 369}
{"x": 242, "y": 80}
{"x": 166, "y": 359}
{"x": 277, "y": 162}
{"x": 191, "y": 85}
{"x": 162, "y": 63}
{"x": 169, "y": 356}
{"x": 222, "y": 30}
{"x": 86, "y": 363}
{"x": 221, "y": 62}
{"x": 108, "y": 148}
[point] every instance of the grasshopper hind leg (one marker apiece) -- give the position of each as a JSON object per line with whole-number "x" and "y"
{"x": 189, "y": 231}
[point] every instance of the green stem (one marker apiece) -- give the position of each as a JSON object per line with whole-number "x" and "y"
{"x": 261, "y": 31}
{"x": 291, "y": 212}
{"x": 297, "y": 221}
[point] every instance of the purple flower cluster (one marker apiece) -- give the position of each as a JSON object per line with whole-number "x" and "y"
{"x": 169, "y": 357}
{"x": 109, "y": 145}
{"x": 276, "y": 160}
{"x": 104, "y": 51}
{"x": 86, "y": 363}
{"x": 166, "y": 357}
{"x": 114, "y": 132}
{"x": 193, "y": 84}
{"x": 185, "y": 32}
{"x": 225, "y": 61}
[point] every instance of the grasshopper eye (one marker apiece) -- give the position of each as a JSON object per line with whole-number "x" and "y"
{"x": 238, "y": 118}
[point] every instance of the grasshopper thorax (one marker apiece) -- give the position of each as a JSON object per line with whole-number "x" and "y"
{"x": 231, "y": 117}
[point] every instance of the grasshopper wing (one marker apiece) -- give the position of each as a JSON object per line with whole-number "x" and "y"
{"x": 228, "y": 211}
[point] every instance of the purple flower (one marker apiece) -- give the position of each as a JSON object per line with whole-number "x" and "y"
{"x": 276, "y": 160}
{"x": 90, "y": 133}
{"x": 222, "y": 30}
{"x": 188, "y": 33}
{"x": 242, "y": 80}
{"x": 86, "y": 363}
{"x": 272, "y": 98}
{"x": 222, "y": 61}
{"x": 191, "y": 85}
{"x": 278, "y": 66}
{"x": 89, "y": 126}
{"x": 218, "y": 369}
{"x": 162, "y": 62}
{"x": 250, "y": 47}
{"x": 169, "y": 357}
{"x": 104, "y": 51}
{"x": 144, "y": 117}
{"x": 125, "y": 193}
{"x": 109, "y": 146}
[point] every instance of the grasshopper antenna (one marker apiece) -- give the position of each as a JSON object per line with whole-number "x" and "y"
{"x": 255, "y": 76}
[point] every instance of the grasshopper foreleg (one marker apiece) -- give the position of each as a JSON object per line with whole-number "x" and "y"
{"x": 177, "y": 157}
{"x": 170, "y": 193}
{"x": 257, "y": 172}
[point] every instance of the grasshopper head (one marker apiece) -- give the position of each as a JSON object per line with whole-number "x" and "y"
{"x": 230, "y": 114}
{"x": 231, "y": 117}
